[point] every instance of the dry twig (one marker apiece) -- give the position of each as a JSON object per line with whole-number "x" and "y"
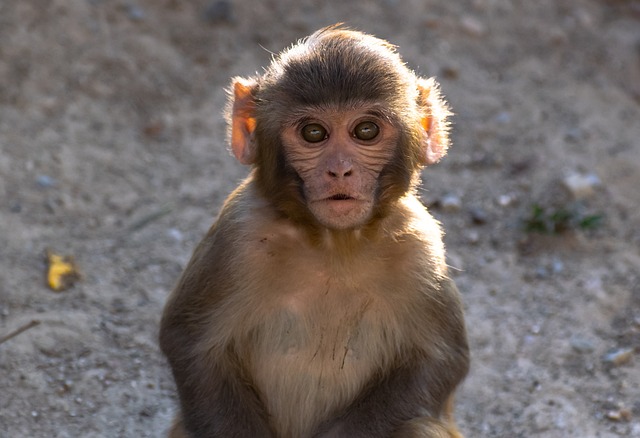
{"x": 19, "y": 330}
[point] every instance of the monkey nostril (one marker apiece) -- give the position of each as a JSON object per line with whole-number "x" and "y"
{"x": 343, "y": 171}
{"x": 339, "y": 167}
{"x": 334, "y": 174}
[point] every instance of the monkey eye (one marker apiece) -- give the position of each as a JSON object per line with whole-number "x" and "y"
{"x": 366, "y": 131}
{"x": 314, "y": 132}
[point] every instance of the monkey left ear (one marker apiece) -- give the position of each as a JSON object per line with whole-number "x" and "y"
{"x": 242, "y": 120}
{"x": 434, "y": 121}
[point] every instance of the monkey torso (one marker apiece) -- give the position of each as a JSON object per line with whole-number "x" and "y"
{"x": 315, "y": 321}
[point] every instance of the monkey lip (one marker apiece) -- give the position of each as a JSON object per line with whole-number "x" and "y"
{"x": 340, "y": 203}
{"x": 340, "y": 197}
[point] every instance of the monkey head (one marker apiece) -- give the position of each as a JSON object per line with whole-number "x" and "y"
{"x": 337, "y": 128}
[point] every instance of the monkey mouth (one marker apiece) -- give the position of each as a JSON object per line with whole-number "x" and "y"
{"x": 340, "y": 204}
{"x": 340, "y": 197}
{"x": 340, "y": 210}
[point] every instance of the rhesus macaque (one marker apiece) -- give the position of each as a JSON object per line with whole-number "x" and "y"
{"x": 319, "y": 304}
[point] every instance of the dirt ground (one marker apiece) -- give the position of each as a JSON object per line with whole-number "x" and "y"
{"x": 113, "y": 151}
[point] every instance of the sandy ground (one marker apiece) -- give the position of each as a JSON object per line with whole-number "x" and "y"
{"x": 113, "y": 151}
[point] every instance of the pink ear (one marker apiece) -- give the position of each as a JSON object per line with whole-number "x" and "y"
{"x": 434, "y": 121}
{"x": 243, "y": 122}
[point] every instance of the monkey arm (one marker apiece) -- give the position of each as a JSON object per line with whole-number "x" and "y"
{"x": 216, "y": 400}
{"x": 414, "y": 398}
{"x": 217, "y": 403}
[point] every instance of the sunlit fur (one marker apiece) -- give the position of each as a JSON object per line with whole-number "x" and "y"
{"x": 343, "y": 67}
{"x": 290, "y": 325}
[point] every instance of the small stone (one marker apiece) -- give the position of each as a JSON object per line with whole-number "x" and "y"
{"x": 557, "y": 266}
{"x": 574, "y": 135}
{"x": 619, "y": 357}
{"x": 175, "y": 234}
{"x": 541, "y": 272}
{"x": 507, "y": 200}
{"x": 136, "y": 13}
{"x": 581, "y": 185}
{"x": 473, "y": 237}
{"x": 581, "y": 345}
{"x": 503, "y": 117}
{"x": 472, "y": 26}
{"x": 557, "y": 36}
{"x": 123, "y": 201}
{"x": 619, "y": 415}
{"x": 478, "y": 216}
{"x": 451, "y": 203}
{"x": 584, "y": 18}
{"x": 15, "y": 207}
{"x": 45, "y": 181}
{"x": 450, "y": 72}
{"x": 220, "y": 11}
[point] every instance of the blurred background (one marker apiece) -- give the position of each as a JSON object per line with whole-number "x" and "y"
{"x": 113, "y": 152}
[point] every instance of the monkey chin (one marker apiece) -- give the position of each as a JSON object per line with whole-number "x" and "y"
{"x": 343, "y": 214}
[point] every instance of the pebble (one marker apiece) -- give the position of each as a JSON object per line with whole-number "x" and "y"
{"x": 574, "y": 135}
{"x": 220, "y": 11}
{"x": 581, "y": 345}
{"x": 507, "y": 200}
{"x": 472, "y": 26}
{"x": 503, "y": 117}
{"x": 541, "y": 272}
{"x": 581, "y": 185}
{"x": 619, "y": 357}
{"x": 557, "y": 36}
{"x": 451, "y": 203}
{"x": 175, "y": 234}
{"x": 450, "y": 72}
{"x": 45, "y": 181}
{"x": 619, "y": 415}
{"x": 15, "y": 207}
{"x": 135, "y": 13}
{"x": 557, "y": 266}
{"x": 478, "y": 216}
{"x": 473, "y": 237}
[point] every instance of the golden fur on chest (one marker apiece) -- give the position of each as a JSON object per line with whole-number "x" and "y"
{"x": 313, "y": 336}
{"x": 316, "y": 343}
{"x": 316, "y": 358}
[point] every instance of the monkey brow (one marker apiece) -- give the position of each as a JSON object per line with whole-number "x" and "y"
{"x": 381, "y": 114}
{"x": 304, "y": 115}
{"x": 299, "y": 121}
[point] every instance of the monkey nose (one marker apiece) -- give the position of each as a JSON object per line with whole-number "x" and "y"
{"x": 340, "y": 169}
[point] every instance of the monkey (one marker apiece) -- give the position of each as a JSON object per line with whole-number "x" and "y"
{"x": 319, "y": 302}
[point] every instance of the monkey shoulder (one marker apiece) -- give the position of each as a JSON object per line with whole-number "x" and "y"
{"x": 416, "y": 234}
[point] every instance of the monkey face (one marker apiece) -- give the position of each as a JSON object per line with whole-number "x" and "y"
{"x": 338, "y": 155}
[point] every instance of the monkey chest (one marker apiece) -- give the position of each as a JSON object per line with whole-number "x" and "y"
{"x": 316, "y": 340}
{"x": 313, "y": 354}
{"x": 312, "y": 329}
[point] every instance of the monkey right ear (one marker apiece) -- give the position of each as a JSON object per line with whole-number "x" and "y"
{"x": 434, "y": 121}
{"x": 243, "y": 120}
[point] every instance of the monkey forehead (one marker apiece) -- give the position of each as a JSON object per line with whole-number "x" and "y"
{"x": 339, "y": 66}
{"x": 338, "y": 112}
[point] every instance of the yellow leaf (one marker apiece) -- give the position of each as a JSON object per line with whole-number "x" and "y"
{"x": 62, "y": 272}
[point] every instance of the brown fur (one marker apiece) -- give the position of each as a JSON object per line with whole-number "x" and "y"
{"x": 284, "y": 326}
